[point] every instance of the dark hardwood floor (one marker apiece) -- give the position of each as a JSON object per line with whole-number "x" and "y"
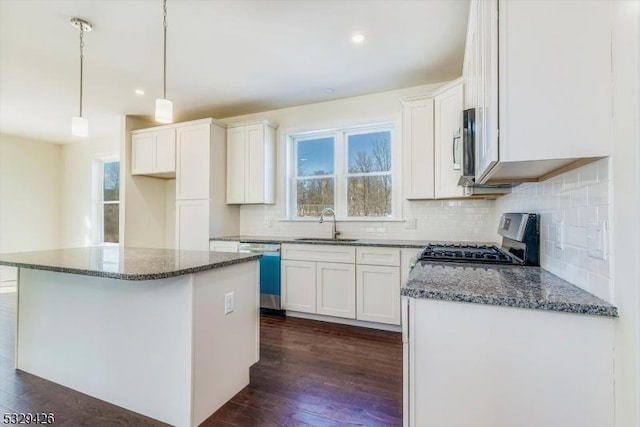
{"x": 310, "y": 374}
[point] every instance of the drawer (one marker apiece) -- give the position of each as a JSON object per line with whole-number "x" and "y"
{"x": 223, "y": 246}
{"x": 320, "y": 253}
{"x": 378, "y": 256}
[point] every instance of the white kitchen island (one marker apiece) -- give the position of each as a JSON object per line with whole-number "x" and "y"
{"x": 144, "y": 329}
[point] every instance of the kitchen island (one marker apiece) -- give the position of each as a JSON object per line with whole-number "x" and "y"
{"x": 502, "y": 345}
{"x": 168, "y": 334}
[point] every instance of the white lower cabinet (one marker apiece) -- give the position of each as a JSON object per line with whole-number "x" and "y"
{"x": 298, "y": 285}
{"x": 336, "y": 289}
{"x": 224, "y": 246}
{"x": 491, "y": 366}
{"x": 360, "y": 283}
{"x": 378, "y": 290}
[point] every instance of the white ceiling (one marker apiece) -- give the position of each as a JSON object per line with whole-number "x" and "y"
{"x": 225, "y": 57}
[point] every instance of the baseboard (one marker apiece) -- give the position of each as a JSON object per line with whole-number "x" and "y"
{"x": 342, "y": 321}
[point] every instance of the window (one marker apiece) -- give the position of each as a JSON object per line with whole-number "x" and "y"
{"x": 350, "y": 170}
{"x": 110, "y": 202}
{"x": 369, "y": 174}
{"x": 315, "y": 178}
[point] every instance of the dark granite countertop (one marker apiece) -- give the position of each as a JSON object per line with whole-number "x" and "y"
{"x": 509, "y": 286}
{"x": 124, "y": 263}
{"x": 389, "y": 243}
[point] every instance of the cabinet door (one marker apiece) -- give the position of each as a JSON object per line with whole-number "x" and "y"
{"x": 418, "y": 153}
{"x": 298, "y": 285}
{"x": 254, "y": 164}
{"x": 486, "y": 143}
{"x": 336, "y": 289}
{"x": 378, "y": 294}
{"x": 165, "y": 151}
{"x": 192, "y": 169}
{"x": 448, "y": 143}
{"x": 192, "y": 225}
{"x": 235, "y": 165}
{"x": 141, "y": 154}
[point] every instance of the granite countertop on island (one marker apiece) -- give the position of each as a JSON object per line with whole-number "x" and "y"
{"x": 124, "y": 263}
{"x": 509, "y": 286}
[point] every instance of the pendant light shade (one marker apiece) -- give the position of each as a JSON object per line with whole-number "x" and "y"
{"x": 79, "y": 124}
{"x": 164, "y": 111}
{"x": 164, "y": 107}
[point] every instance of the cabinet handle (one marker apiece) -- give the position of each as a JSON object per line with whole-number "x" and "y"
{"x": 455, "y": 146}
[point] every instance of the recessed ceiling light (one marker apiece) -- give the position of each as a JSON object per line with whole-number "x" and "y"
{"x": 139, "y": 92}
{"x": 357, "y": 38}
{"x": 329, "y": 90}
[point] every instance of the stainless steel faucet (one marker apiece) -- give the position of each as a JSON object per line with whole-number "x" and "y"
{"x": 325, "y": 210}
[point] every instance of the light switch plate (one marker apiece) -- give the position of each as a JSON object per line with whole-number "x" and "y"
{"x": 597, "y": 240}
{"x": 228, "y": 303}
{"x": 411, "y": 224}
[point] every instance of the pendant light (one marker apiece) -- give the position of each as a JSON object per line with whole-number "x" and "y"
{"x": 164, "y": 107}
{"x": 79, "y": 124}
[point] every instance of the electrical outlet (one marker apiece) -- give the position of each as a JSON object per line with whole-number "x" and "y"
{"x": 597, "y": 240}
{"x": 559, "y": 234}
{"x": 228, "y": 303}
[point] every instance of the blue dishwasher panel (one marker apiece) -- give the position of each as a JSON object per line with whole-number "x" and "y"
{"x": 270, "y": 274}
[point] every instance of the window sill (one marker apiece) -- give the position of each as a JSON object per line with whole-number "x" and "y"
{"x": 330, "y": 218}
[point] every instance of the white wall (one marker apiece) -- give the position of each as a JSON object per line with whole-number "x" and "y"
{"x": 574, "y": 198}
{"x": 436, "y": 220}
{"x": 29, "y": 196}
{"x": 626, "y": 209}
{"x": 77, "y": 226}
{"x": 142, "y": 198}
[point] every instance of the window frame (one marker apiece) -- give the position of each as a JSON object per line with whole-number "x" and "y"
{"x": 341, "y": 170}
{"x": 97, "y": 235}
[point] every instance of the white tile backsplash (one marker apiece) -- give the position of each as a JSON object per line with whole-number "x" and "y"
{"x": 436, "y": 220}
{"x": 575, "y": 198}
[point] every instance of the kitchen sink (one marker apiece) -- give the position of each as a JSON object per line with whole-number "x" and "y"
{"x": 321, "y": 239}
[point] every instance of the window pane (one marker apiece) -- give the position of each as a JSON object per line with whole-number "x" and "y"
{"x": 369, "y": 196}
{"x": 111, "y": 181}
{"x": 111, "y": 222}
{"x": 315, "y": 157}
{"x": 370, "y": 152}
{"x": 313, "y": 195}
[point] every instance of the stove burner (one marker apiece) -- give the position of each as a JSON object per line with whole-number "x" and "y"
{"x": 458, "y": 252}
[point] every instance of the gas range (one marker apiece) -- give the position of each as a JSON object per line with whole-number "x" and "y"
{"x": 520, "y": 245}
{"x": 461, "y": 252}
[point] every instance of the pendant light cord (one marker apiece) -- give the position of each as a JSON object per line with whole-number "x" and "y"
{"x": 164, "y": 67}
{"x": 81, "y": 63}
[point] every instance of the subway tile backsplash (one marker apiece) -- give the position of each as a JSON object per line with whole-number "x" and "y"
{"x": 436, "y": 220}
{"x": 573, "y": 199}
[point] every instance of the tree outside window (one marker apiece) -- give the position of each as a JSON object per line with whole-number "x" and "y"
{"x": 111, "y": 202}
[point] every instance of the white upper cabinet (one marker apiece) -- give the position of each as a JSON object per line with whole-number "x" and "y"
{"x": 192, "y": 179}
{"x": 417, "y": 147}
{"x": 448, "y": 142}
{"x": 154, "y": 153}
{"x": 432, "y": 146}
{"x": 542, "y": 70}
{"x": 251, "y": 151}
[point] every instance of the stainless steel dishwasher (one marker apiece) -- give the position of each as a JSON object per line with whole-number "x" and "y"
{"x": 269, "y": 272}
